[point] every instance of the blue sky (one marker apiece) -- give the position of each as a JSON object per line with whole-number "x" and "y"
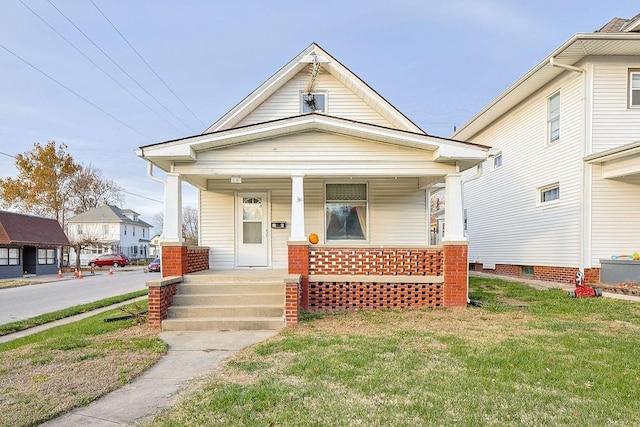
{"x": 439, "y": 62}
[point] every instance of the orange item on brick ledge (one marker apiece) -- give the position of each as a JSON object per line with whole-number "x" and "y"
{"x": 313, "y": 238}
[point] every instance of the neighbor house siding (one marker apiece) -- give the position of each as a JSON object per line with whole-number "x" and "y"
{"x": 614, "y": 124}
{"x": 506, "y": 225}
{"x": 341, "y": 102}
{"x": 615, "y": 210}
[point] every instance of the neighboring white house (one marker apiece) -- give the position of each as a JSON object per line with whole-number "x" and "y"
{"x": 117, "y": 230}
{"x": 312, "y": 150}
{"x": 154, "y": 245}
{"x": 561, "y": 191}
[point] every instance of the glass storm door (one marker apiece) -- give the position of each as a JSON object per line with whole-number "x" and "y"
{"x": 252, "y": 230}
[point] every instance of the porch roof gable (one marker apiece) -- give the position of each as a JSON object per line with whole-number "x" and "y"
{"x": 163, "y": 155}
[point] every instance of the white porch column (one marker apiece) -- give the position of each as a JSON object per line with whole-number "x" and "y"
{"x": 453, "y": 211}
{"x": 172, "y": 227}
{"x": 297, "y": 208}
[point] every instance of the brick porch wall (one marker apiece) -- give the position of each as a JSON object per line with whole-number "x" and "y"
{"x": 161, "y": 294}
{"x": 340, "y": 278}
{"x": 546, "y": 273}
{"x": 197, "y": 259}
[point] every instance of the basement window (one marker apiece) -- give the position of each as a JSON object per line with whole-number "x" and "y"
{"x": 526, "y": 270}
{"x": 313, "y": 102}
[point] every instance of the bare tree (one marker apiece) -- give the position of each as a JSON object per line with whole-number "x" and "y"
{"x": 85, "y": 238}
{"x": 189, "y": 224}
{"x": 89, "y": 190}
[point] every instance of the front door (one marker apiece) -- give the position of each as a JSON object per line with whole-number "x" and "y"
{"x": 253, "y": 232}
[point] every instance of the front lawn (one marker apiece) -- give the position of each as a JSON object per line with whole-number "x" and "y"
{"x": 48, "y": 373}
{"x": 527, "y": 357}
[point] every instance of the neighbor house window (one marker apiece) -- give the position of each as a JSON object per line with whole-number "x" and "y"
{"x": 9, "y": 256}
{"x": 314, "y": 102}
{"x": 634, "y": 88}
{"x": 553, "y": 117}
{"x": 497, "y": 161}
{"x": 549, "y": 193}
{"x": 105, "y": 230}
{"x": 79, "y": 229}
{"x": 46, "y": 256}
{"x": 346, "y": 211}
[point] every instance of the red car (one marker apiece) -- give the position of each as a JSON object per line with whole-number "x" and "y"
{"x": 154, "y": 265}
{"x": 116, "y": 260}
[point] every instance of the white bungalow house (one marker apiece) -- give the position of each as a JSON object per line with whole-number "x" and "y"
{"x": 315, "y": 151}
{"x": 562, "y": 191}
{"x": 116, "y": 231}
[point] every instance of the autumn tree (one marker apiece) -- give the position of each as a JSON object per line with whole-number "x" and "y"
{"x": 89, "y": 190}
{"x": 42, "y": 185}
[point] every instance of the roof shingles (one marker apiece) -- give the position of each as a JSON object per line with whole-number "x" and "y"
{"x": 18, "y": 229}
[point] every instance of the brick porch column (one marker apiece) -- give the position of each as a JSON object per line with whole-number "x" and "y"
{"x": 456, "y": 272}
{"x": 174, "y": 259}
{"x": 299, "y": 264}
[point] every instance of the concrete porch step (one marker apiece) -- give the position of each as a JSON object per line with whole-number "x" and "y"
{"x": 203, "y": 311}
{"x": 226, "y": 288}
{"x": 223, "y": 324}
{"x": 228, "y": 299}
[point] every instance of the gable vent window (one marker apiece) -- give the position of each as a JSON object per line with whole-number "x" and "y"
{"x": 634, "y": 88}
{"x": 314, "y": 102}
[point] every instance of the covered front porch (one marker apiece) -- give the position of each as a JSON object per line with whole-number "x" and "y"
{"x": 342, "y": 206}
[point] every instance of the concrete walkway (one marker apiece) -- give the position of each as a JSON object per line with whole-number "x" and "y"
{"x": 191, "y": 356}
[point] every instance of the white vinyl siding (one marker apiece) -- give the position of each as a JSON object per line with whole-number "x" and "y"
{"x": 320, "y": 154}
{"x": 397, "y": 215}
{"x": 614, "y": 123}
{"x": 614, "y": 217}
{"x": 504, "y": 222}
{"x": 341, "y": 102}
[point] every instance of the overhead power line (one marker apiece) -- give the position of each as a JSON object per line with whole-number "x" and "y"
{"x": 75, "y": 93}
{"x": 119, "y": 66}
{"x": 98, "y": 66}
{"x": 146, "y": 63}
{"x": 126, "y": 192}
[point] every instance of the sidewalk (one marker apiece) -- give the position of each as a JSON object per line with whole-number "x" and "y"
{"x": 191, "y": 356}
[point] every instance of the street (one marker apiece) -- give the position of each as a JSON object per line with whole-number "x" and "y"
{"x": 29, "y": 301}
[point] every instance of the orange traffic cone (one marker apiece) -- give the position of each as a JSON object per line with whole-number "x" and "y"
{"x": 80, "y": 274}
{"x": 111, "y": 271}
{"x": 59, "y": 274}
{"x": 75, "y": 273}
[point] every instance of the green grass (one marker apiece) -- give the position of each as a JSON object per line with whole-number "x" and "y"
{"x": 50, "y": 372}
{"x": 538, "y": 359}
{"x": 21, "y": 325}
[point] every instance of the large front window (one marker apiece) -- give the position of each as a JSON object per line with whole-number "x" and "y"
{"x": 346, "y": 211}
{"x": 46, "y": 256}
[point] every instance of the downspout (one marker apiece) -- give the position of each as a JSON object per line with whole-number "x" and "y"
{"x": 583, "y": 172}
{"x": 473, "y": 178}
{"x": 150, "y": 173}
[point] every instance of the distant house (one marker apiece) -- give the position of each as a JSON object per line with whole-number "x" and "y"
{"x": 561, "y": 191}
{"x": 154, "y": 246}
{"x": 116, "y": 231}
{"x": 29, "y": 245}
